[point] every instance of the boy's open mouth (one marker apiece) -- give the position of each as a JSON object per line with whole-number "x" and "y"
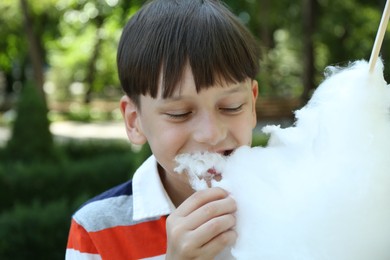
{"x": 202, "y": 167}
{"x": 227, "y": 152}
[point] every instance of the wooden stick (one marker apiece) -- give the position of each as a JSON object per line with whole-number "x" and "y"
{"x": 379, "y": 37}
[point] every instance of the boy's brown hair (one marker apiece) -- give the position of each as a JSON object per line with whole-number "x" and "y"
{"x": 166, "y": 35}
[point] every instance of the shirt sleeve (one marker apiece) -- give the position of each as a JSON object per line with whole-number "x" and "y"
{"x": 80, "y": 245}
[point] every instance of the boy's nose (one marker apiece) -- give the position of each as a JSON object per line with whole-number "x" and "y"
{"x": 210, "y": 130}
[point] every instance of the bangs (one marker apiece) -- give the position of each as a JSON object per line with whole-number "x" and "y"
{"x": 167, "y": 35}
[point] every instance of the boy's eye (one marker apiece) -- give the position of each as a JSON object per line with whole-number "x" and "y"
{"x": 178, "y": 115}
{"x": 232, "y": 109}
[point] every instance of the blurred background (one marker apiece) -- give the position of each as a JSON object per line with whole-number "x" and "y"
{"x": 61, "y": 136}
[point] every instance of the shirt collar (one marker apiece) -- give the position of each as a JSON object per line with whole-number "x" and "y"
{"x": 149, "y": 196}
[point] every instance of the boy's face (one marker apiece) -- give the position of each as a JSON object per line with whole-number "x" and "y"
{"x": 217, "y": 119}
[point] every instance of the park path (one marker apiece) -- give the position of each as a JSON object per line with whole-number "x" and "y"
{"x": 77, "y": 130}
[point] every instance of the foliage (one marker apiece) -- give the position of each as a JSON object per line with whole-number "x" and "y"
{"x": 350, "y": 34}
{"x": 81, "y": 112}
{"x": 88, "y": 169}
{"x": 259, "y": 139}
{"x": 280, "y": 72}
{"x": 35, "y": 217}
{"x": 35, "y": 231}
{"x": 13, "y": 44}
{"x": 278, "y": 37}
{"x": 71, "y": 29}
{"x": 31, "y": 138}
{"x": 77, "y": 150}
{"x": 12, "y": 48}
{"x": 83, "y": 26}
{"x": 345, "y": 31}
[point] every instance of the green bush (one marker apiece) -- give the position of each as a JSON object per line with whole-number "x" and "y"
{"x": 260, "y": 140}
{"x": 79, "y": 150}
{"x": 35, "y": 231}
{"x": 25, "y": 182}
{"x": 38, "y": 199}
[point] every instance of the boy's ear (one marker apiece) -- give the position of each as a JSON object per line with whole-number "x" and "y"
{"x": 131, "y": 115}
{"x": 255, "y": 93}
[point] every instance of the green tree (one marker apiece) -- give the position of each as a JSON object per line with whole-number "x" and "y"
{"x": 85, "y": 52}
{"x": 78, "y": 39}
{"x": 31, "y": 140}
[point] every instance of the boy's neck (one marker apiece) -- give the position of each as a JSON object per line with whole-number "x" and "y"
{"x": 177, "y": 193}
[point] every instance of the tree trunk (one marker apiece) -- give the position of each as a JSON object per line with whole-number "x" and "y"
{"x": 34, "y": 48}
{"x": 91, "y": 69}
{"x": 309, "y": 21}
{"x": 265, "y": 32}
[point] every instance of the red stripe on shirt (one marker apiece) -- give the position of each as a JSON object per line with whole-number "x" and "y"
{"x": 80, "y": 240}
{"x": 141, "y": 240}
{"x": 137, "y": 241}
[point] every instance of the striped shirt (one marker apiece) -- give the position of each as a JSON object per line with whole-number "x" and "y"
{"x": 125, "y": 222}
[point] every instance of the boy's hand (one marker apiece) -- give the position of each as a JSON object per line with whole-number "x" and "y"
{"x": 202, "y": 226}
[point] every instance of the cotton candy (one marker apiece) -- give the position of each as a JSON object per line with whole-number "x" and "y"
{"x": 321, "y": 188}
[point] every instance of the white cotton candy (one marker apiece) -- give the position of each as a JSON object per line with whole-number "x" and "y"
{"x": 320, "y": 190}
{"x": 200, "y": 164}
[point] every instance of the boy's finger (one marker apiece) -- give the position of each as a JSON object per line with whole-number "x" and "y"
{"x": 220, "y": 241}
{"x": 198, "y": 199}
{"x": 210, "y": 211}
{"x": 214, "y": 227}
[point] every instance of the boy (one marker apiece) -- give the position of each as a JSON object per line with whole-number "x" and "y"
{"x": 187, "y": 68}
